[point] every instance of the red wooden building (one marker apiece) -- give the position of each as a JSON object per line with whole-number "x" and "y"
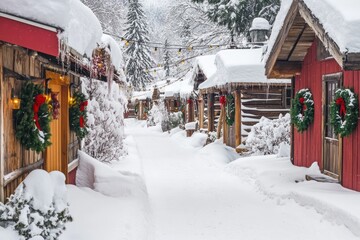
{"x": 308, "y": 46}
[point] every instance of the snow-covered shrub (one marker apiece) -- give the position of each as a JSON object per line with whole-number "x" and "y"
{"x": 105, "y": 120}
{"x": 38, "y": 208}
{"x": 158, "y": 115}
{"x": 212, "y": 137}
{"x": 266, "y": 136}
{"x": 176, "y": 119}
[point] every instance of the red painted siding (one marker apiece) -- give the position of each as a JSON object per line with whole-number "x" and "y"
{"x": 308, "y": 145}
{"x": 29, "y": 36}
{"x": 351, "y": 144}
{"x": 72, "y": 177}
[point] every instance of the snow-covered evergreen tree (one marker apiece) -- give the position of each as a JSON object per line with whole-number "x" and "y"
{"x": 237, "y": 16}
{"x": 167, "y": 59}
{"x": 139, "y": 60}
{"x": 105, "y": 121}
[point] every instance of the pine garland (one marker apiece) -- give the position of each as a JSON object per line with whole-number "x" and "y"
{"x": 33, "y": 119}
{"x": 78, "y": 115}
{"x": 344, "y": 112}
{"x": 302, "y": 110}
{"x": 230, "y": 109}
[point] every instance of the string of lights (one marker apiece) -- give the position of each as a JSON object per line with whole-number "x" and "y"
{"x": 179, "y": 47}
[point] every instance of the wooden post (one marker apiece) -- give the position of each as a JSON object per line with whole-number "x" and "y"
{"x": 237, "y": 94}
{"x": 225, "y": 129}
{"x": 221, "y": 121}
{"x": 211, "y": 113}
{"x": 140, "y": 111}
{"x": 201, "y": 111}
{"x": 2, "y": 102}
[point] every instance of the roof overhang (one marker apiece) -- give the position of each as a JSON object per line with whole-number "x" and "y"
{"x": 29, "y": 34}
{"x": 299, "y": 30}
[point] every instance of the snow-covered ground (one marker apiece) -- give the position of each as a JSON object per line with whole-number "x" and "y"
{"x": 195, "y": 194}
{"x": 170, "y": 187}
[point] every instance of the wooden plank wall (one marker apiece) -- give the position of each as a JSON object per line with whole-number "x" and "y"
{"x": 308, "y": 145}
{"x": 259, "y": 101}
{"x": 16, "y": 159}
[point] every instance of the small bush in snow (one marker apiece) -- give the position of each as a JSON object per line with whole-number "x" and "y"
{"x": 266, "y": 136}
{"x": 212, "y": 137}
{"x": 176, "y": 119}
{"x": 158, "y": 115}
{"x": 38, "y": 208}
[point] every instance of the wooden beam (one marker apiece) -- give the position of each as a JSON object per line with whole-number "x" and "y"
{"x": 220, "y": 123}
{"x": 285, "y": 69}
{"x": 320, "y": 32}
{"x": 18, "y": 172}
{"x": 201, "y": 111}
{"x": 275, "y": 51}
{"x": 237, "y": 118}
{"x": 211, "y": 114}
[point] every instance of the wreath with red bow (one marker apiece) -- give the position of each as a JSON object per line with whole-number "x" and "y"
{"x": 302, "y": 110}
{"x": 78, "y": 114}
{"x": 344, "y": 112}
{"x": 33, "y": 118}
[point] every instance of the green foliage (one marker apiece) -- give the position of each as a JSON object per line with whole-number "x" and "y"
{"x": 344, "y": 125}
{"x": 26, "y": 131}
{"x": 302, "y": 114}
{"x": 20, "y": 213}
{"x": 230, "y": 109}
{"x": 237, "y": 16}
{"x": 75, "y": 114}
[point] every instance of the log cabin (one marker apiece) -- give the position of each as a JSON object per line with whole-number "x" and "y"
{"x": 241, "y": 73}
{"x": 316, "y": 43}
{"x": 33, "y": 51}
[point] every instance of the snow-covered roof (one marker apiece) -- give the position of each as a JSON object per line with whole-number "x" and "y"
{"x": 114, "y": 50}
{"x": 206, "y": 64}
{"x": 260, "y": 24}
{"x": 340, "y": 20}
{"x": 183, "y": 87}
{"x": 82, "y": 30}
{"x": 239, "y": 66}
{"x": 141, "y": 95}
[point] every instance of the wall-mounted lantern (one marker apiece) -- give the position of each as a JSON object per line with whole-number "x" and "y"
{"x": 15, "y": 100}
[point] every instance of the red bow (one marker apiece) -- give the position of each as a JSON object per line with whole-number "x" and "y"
{"x": 82, "y": 108}
{"x": 302, "y": 102}
{"x": 39, "y": 100}
{"x": 83, "y": 105}
{"x": 222, "y": 100}
{"x": 340, "y": 102}
{"x": 189, "y": 101}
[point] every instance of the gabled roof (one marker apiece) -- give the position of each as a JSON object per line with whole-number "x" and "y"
{"x": 206, "y": 64}
{"x": 335, "y": 23}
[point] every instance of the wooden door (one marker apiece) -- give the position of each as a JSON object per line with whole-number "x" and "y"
{"x": 332, "y": 153}
{"x": 57, "y": 153}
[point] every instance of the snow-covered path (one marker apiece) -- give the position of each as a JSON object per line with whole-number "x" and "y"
{"x": 193, "y": 200}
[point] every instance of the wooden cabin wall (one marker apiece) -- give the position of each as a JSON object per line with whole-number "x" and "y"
{"x": 258, "y": 101}
{"x": 16, "y": 161}
{"x": 351, "y": 144}
{"x": 308, "y": 145}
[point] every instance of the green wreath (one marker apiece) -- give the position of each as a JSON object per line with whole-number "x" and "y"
{"x": 344, "y": 112}
{"x": 230, "y": 109}
{"x": 77, "y": 114}
{"x": 33, "y": 118}
{"x": 302, "y": 110}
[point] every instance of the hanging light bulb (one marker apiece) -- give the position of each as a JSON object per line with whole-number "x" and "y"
{"x": 156, "y": 49}
{"x": 179, "y": 52}
{"x": 190, "y": 48}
